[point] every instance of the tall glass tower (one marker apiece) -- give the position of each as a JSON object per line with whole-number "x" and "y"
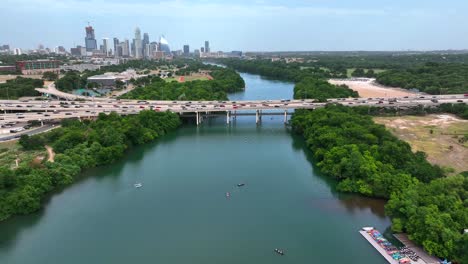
{"x": 90, "y": 40}
{"x": 138, "y": 46}
{"x": 164, "y": 45}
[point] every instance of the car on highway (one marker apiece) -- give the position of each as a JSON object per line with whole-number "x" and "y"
{"x": 16, "y": 130}
{"x": 68, "y": 113}
{"x": 459, "y": 101}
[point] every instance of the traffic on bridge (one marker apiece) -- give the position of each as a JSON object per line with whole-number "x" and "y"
{"x": 24, "y": 111}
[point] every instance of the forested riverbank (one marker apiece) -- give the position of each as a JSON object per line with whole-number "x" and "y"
{"x": 78, "y": 145}
{"x": 432, "y": 78}
{"x": 365, "y": 158}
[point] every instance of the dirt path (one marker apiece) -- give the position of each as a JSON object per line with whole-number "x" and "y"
{"x": 50, "y": 153}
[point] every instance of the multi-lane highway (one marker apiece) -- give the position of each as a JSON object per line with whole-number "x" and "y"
{"x": 29, "y": 110}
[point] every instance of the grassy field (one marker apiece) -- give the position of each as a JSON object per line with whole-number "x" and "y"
{"x": 187, "y": 78}
{"x": 170, "y": 79}
{"x": 440, "y": 136}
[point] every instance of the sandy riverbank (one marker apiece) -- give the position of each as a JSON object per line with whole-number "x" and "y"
{"x": 367, "y": 88}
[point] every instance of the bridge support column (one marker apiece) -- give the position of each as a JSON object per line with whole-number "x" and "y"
{"x": 257, "y": 116}
{"x": 42, "y": 123}
{"x": 285, "y": 116}
{"x": 227, "y": 117}
{"x": 198, "y": 121}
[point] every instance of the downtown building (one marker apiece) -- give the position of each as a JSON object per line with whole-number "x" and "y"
{"x": 138, "y": 51}
{"x": 90, "y": 39}
{"x": 38, "y": 67}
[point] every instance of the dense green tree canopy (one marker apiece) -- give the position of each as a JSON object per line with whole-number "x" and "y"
{"x": 321, "y": 90}
{"x": 225, "y": 81}
{"x": 19, "y": 87}
{"x": 432, "y": 78}
{"x": 434, "y": 215}
{"x": 363, "y": 156}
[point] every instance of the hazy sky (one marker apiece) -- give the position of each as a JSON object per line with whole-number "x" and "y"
{"x": 246, "y": 25}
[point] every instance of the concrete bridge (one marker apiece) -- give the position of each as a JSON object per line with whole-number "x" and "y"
{"x": 45, "y": 110}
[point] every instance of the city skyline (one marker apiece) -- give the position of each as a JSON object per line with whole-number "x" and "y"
{"x": 260, "y": 26}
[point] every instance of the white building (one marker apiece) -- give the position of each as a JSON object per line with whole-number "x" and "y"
{"x": 17, "y": 51}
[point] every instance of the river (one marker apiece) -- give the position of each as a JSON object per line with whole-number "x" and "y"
{"x": 181, "y": 214}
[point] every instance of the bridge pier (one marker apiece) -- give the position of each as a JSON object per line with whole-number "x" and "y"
{"x": 257, "y": 116}
{"x": 197, "y": 118}
{"x": 285, "y": 116}
{"x": 227, "y": 117}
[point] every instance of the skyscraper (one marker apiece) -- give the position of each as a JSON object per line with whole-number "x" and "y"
{"x": 138, "y": 47}
{"x": 145, "y": 45}
{"x": 186, "y": 50}
{"x": 90, "y": 40}
{"x": 126, "y": 48}
{"x": 116, "y": 43}
{"x": 153, "y": 48}
{"x": 164, "y": 45}
{"x": 202, "y": 49}
{"x": 105, "y": 46}
{"x": 207, "y": 46}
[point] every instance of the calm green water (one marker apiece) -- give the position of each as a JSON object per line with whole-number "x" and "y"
{"x": 181, "y": 214}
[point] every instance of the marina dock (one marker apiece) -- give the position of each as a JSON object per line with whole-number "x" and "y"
{"x": 425, "y": 258}
{"x": 378, "y": 247}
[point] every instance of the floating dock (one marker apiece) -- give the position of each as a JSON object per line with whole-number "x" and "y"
{"x": 378, "y": 247}
{"x": 423, "y": 255}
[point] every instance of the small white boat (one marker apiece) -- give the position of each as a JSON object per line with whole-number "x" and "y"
{"x": 138, "y": 185}
{"x": 368, "y": 228}
{"x": 228, "y": 194}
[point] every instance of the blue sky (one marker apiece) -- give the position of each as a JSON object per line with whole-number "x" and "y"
{"x": 255, "y": 25}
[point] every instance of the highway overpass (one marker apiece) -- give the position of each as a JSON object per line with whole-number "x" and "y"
{"x": 44, "y": 110}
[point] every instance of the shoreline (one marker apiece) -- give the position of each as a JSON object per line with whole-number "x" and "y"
{"x": 369, "y": 88}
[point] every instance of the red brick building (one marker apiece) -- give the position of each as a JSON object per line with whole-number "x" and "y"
{"x": 38, "y": 66}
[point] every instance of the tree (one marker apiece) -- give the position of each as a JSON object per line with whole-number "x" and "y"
{"x": 359, "y": 72}
{"x": 49, "y": 76}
